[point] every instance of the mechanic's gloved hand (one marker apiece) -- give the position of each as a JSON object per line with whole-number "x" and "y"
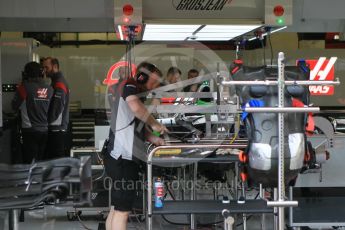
{"x": 157, "y": 141}
{"x": 160, "y": 128}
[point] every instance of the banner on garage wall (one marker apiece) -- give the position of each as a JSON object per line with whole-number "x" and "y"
{"x": 201, "y": 9}
{"x": 200, "y": 5}
{"x": 321, "y": 70}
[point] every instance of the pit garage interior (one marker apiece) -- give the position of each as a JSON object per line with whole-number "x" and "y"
{"x": 257, "y": 145}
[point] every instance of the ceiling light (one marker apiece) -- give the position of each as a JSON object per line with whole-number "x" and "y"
{"x": 226, "y": 35}
{"x": 165, "y": 36}
{"x": 228, "y": 28}
{"x": 171, "y": 28}
{"x": 223, "y": 32}
{"x": 161, "y": 32}
{"x": 213, "y": 38}
{"x": 120, "y": 32}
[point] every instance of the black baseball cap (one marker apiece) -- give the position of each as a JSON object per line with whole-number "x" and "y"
{"x": 33, "y": 70}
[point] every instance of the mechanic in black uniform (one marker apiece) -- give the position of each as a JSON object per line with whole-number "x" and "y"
{"x": 58, "y": 111}
{"x": 32, "y": 99}
{"x": 131, "y": 126}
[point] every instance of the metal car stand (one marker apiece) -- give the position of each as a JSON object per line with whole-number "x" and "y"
{"x": 153, "y": 158}
{"x": 196, "y": 206}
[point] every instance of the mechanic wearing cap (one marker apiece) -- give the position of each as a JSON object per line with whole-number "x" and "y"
{"x": 58, "y": 111}
{"x": 131, "y": 125}
{"x": 32, "y": 99}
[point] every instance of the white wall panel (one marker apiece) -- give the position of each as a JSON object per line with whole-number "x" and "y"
{"x": 56, "y": 8}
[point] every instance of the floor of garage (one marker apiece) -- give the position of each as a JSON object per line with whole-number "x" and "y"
{"x": 51, "y": 218}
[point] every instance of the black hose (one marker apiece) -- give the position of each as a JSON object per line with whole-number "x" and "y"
{"x": 242, "y": 222}
{"x": 174, "y": 223}
{"x": 271, "y": 48}
{"x": 187, "y": 224}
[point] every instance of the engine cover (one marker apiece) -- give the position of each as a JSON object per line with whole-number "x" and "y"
{"x": 262, "y": 128}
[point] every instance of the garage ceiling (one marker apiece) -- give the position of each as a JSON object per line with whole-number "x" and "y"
{"x": 97, "y": 16}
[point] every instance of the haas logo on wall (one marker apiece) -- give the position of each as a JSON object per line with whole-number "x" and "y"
{"x": 42, "y": 93}
{"x": 110, "y": 79}
{"x": 322, "y": 70}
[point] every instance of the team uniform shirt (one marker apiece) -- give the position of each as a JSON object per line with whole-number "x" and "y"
{"x": 32, "y": 99}
{"x": 187, "y": 88}
{"x": 59, "y": 110}
{"x": 127, "y": 133}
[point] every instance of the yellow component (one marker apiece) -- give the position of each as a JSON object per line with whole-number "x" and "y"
{"x": 97, "y": 89}
{"x": 168, "y": 152}
{"x": 233, "y": 139}
{"x": 235, "y": 136}
{"x": 103, "y": 89}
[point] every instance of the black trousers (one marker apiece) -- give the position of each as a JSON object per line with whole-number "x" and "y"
{"x": 56, "y": 145}
{"x": 34, "y": 144}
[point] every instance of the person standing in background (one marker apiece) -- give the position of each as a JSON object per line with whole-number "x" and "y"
{"x": 192, "y": 73}
{"x": 58, "y": 116}
{"x": 32, "y": 99}
{"x": 173, "y": 75}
